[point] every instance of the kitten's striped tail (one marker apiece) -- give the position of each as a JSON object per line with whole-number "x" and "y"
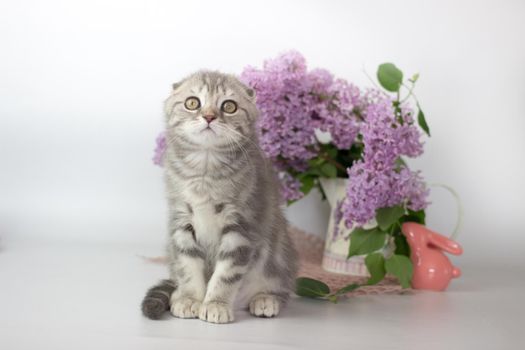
{"x": 157, "y": 299}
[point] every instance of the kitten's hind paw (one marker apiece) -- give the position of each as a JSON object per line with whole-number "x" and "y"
{"x": 216, "y": 312}
{"x": 185, "y": 308}
{"x": 264, "y": 305}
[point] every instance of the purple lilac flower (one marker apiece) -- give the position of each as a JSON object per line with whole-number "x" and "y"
{"x": 411, "y": 185}
{"x": 293, "y": 103}
{"x": 160, "y": 149}
{"x": 365, "y": 191}
{"x": 386, "y": 138}
{"x": 337, "y": 113}
{"x": 320, "y": 81}
{"x": 376, "y": 181}
{"x": 290, "y": 187}
{"x": 285, "y": 125}
{"x": 369, "y": 190}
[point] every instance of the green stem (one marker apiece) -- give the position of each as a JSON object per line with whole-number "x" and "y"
{"x": 410, "y": 92}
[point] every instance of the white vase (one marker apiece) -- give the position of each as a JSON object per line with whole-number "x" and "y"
{"x": 338, "y": 235}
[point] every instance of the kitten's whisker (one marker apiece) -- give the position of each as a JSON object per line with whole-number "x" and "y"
{"x": 230, "y": 137}
{"x": 265, "y": 159}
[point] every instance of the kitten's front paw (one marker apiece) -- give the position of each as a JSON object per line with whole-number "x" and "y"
{"x": 216, "y": 312}
{"x": 264, "y": 305}
{"x": 185, "y": 308}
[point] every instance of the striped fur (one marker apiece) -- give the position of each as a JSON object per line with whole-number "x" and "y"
{"x": 157, "y": 299}
{"x": 228, "y": 243}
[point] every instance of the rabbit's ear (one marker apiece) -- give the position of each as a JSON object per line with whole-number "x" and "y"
{"x": 444, "y": 243}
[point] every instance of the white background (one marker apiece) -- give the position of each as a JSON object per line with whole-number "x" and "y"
{"x": 82, "y": 85}
{"x": 81, "y": 91}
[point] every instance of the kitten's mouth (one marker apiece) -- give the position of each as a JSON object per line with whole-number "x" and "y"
{"x": 208, "y": 130}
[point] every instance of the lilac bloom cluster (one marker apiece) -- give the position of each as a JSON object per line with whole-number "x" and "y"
{"x": 378, "y": 180}
{"x": 294, "y": 103}
{"x": 160, "y": 149}
{"x": 285, "y": 101}
{"x": 290, "y": 187}
{"x": 338, "y": 114}
{"x": 387, "y": 134}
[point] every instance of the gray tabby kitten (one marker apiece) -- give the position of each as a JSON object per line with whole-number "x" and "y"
{"x": 228, "y": 243}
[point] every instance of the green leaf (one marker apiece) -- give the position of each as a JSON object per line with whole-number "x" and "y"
{"x": 402, "y": 247}
{"x": 332, "y": 152}
{"x": 347, "y": 289}
{"x": 401, "y": 267}
{"x": 356, "y": 151}
{"x": 307, "y": 183}
{"x": 390, "y": 77}
{"x": 415, "y": 216}
{"x": 311, "y": 288}
{"x": 329, "y": 170}
{"x": 315, "y": 162}
{"x": 366, "y": 241}
{"x": 310, "y": 172}
{"x": 421, "y": 121}
{"x": 387, "y": 216}
{"x": 375, "y": 263}
{"x": 400, "y": 163}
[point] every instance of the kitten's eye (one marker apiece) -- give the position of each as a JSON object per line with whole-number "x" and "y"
{"x": 192, "y": 103}
{"x": 229, "y": 106}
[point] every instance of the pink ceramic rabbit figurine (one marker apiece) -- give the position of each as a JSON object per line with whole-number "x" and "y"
{"x": 432, "y": 269}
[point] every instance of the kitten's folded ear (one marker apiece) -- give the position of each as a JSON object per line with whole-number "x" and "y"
{"x": 170, "y": 101}
{"x": 250, "y": 93}
{"x": 176, "y": 85}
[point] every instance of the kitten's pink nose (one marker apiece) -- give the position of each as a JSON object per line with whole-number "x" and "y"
{"x": 209, "y": 117}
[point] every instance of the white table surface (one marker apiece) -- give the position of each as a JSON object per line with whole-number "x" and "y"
{"x": 59, "y": 295}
